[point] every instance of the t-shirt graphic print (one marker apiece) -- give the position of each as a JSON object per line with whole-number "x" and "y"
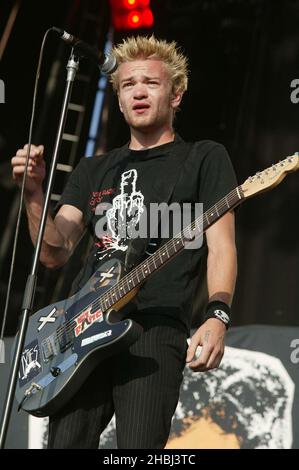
{"x": 123, "y": 217}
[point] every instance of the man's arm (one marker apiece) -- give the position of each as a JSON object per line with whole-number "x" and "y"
{"x": 61, "y": 233}
{"x": 221, "y": 278}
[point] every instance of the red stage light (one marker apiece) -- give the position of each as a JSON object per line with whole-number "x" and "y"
{"x": 134, "y": 20}
{"x": 148, "y": 18}
{"x": 144, "y": 3}
{"x": 131, "y": 14}
{"x": 130, "y": 3}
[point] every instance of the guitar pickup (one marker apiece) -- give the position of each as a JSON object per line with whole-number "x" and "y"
{"x": 65, "y": 338}
{"x": 49, "y": 348}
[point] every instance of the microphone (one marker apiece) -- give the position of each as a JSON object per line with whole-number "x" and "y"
{"x": 107, "y": 64}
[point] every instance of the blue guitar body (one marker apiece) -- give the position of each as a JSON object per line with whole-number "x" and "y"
{"x": 67, "y": 339}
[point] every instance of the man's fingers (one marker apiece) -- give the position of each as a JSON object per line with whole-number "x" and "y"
{"x": 191, "y": 352}
{"x": 19, "y": 166}
{"x": 201, "y": 362}
{"x": 33, "y": 147}
{"x": 35, "y": 151}
{"x": 215, "y": 360}
{"x": 19, "y": 170}
{"x": 195, "y": 341}
{"x": 33, "y": 168}
{"x": 20, "y": 160}
{"x": 207, "y": 362}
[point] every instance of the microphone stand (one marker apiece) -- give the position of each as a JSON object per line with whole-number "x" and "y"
{"x": 28, "y": 299}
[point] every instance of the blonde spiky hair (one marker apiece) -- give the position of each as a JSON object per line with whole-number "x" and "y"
{"x": 141, "y": 47}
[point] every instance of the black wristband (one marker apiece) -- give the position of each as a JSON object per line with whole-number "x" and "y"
{"x": 220, "y": 310}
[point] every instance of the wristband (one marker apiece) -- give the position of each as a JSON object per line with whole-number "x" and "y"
{"x": 220, "y": 310}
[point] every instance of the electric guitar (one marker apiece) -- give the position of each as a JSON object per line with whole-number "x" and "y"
{"x": 66, "y": 340}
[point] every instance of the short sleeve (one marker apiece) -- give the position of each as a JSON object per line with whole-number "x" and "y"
{"x": 76, "y": 191}
{"x": 217, "y": 176}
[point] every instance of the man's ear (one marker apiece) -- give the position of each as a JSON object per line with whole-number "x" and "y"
{"x": 119, "y": 103}
{"x": 176, "y": 99}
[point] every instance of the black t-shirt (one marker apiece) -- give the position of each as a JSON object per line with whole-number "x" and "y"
{"x": 128, "y": 180}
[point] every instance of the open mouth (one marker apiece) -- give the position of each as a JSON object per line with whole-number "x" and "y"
{"x": 140, "y": 107}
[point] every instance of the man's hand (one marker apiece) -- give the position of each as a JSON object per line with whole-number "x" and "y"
{"x": 36, "y": 168}
{"x": 211, "y": 337}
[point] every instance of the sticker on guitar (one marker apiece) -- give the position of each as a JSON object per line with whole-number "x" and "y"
{"x": 86, "y": 319}
{"x": 48, "y": 319}
{"x": 95, "y": 338}
{"x": 30, "y": 363}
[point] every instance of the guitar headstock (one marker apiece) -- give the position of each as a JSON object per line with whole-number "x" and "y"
{"x": 270, "y": 177}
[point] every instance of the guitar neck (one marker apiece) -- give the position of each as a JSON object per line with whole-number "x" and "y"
{"x": 171, "y": 248}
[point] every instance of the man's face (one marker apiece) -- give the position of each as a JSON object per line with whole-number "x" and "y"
{"x": 145, "y": 95}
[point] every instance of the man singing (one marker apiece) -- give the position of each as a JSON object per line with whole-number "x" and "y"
{"x": 141, "y": 385}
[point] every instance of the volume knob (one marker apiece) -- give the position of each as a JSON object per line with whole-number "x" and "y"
{"x": 55, "y": 371}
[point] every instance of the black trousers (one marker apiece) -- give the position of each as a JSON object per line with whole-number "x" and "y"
{"x": 141, "y": 385}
